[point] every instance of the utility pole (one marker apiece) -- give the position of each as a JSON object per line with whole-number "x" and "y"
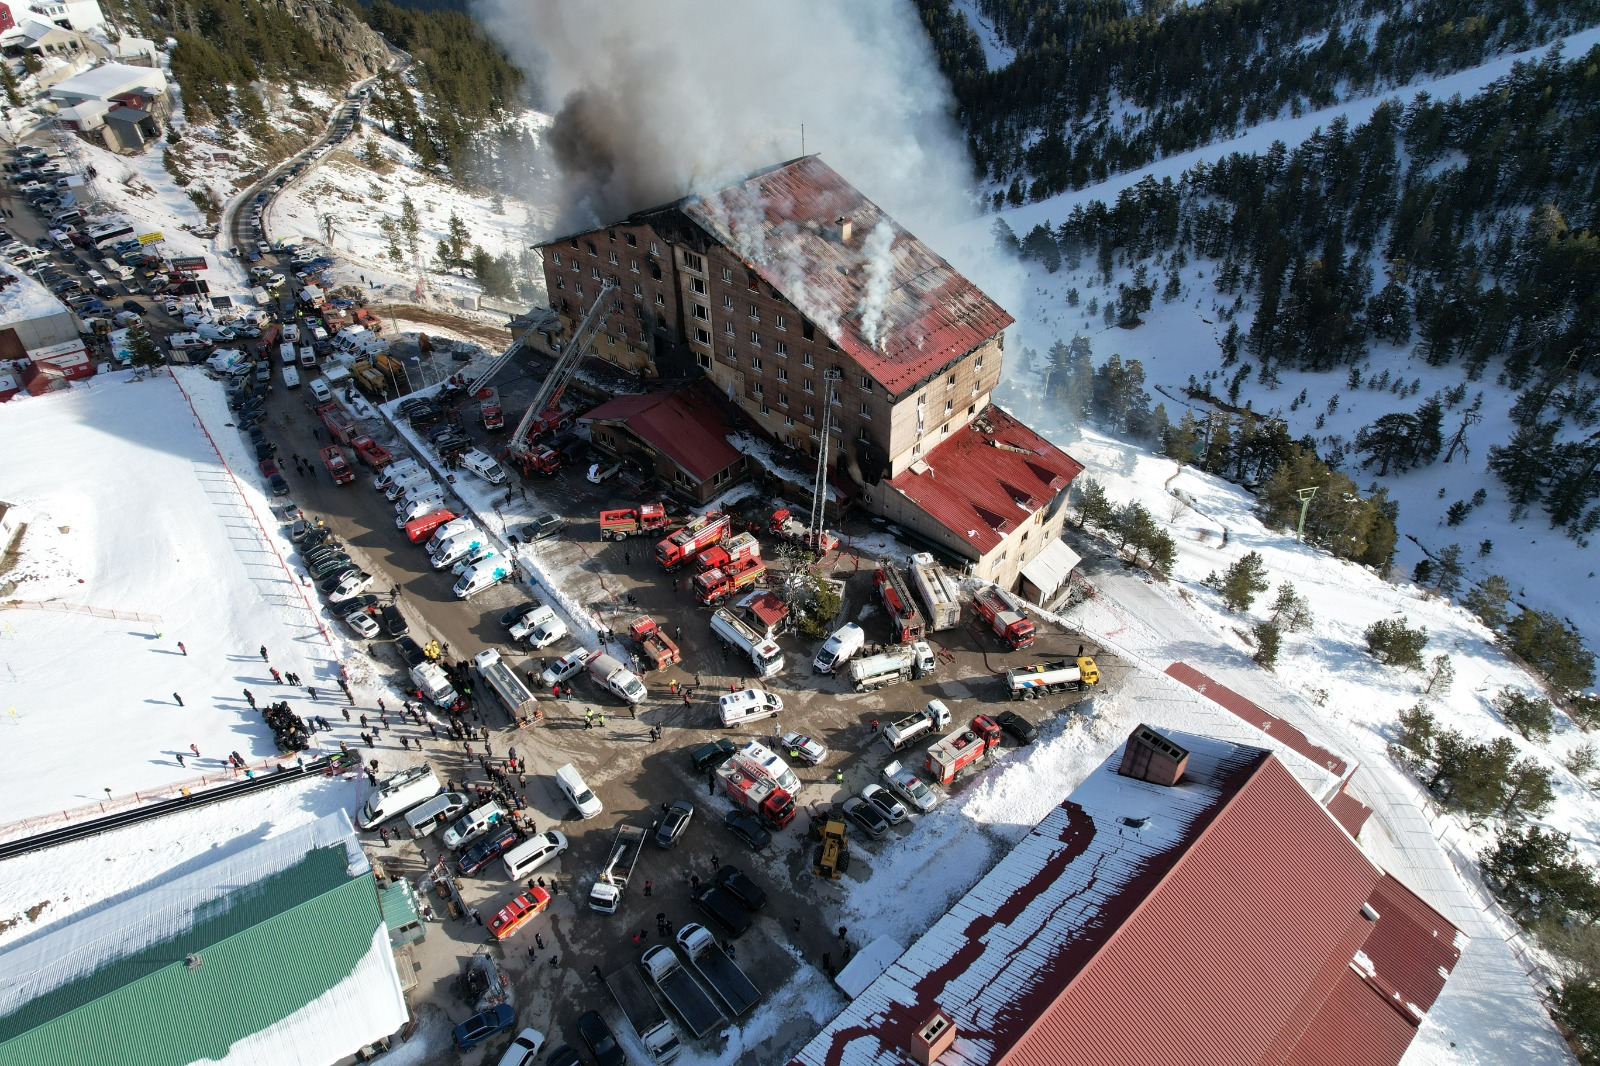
{"x": 1305, "y": 505}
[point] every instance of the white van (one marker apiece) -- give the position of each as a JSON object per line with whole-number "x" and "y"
{"x": 291, "y": 333}
{"x": 320, "y": 391}
{"x": 534, "y": 853}
{"x": 480, "y": 576}
{"x": 393, "y": 472}
{"x": 396, "y": 488}
{"x": 450, "y": 529}
{"x": 841, "y": 646}
{"x": 571, "y": 782}
{"x": 308, "y": 355}
{"x": 417, "y": 508}
{"x": 397, "y": 793}
{"x": 291, "y": 378}
{"x": 286, "y": 353}
{"x": 482, "y": 464}
{"x": 436, "y": 812}
{"x": 452, "y": 551}
{"x": 183, "y": 342}
{"x": 116, "y": 269}
{"x": 61, "y": 240}
{"x": 473, "y": 824}
{"x": 748, "y": 706}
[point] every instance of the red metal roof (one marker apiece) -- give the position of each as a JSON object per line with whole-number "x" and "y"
{"x": 885, "y": 298}
{"x": 687, "y": 425}
{"x": 1218, "y": 921}
{"x": 1268, "y": 723}
{"x": 986, "y": 478}
{"x": 1349, "y": 812}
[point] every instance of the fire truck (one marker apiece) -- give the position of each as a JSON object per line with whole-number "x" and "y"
{"x": 717, "y": 584}
{"x": 691, "y": 540}
{"x": 655, "y": 647}
{"x": 339, "y": 467}
{"x": 340, "y": 427}
{"x": 906, "y": 623}
{"x": 627, "y": 522}
{"x": 371, "y": 452}
{"x": 540, "y": 459}
{"x": 958, "y": 751}
{"x": 755, "y": 778}
{"x": 489, "y": 408}
{"x": 1004, "y": 615}
{"x": 736, "y": 549}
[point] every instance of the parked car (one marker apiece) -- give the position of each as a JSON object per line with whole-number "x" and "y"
{"x": 892, "y": 809}
{"x": 748, "y": 828}
{"x": 517, "y": 614}
{"x": 803, "y": 749}
{"x": 1012, "y": 722}
{"x": 410, "y": 652}
{"x": 278, "y": 485}
{"x": 332, "y": 581}
{"x": 363, "y": 623}
{"x": 674, "y": 823}
{"x": 865, "y": 815}
{"x": 392, "y": 621}
{"x": 524, "y": 1049}
{"x": 352, "y": 585}
{"x": 547, "y": 525}
{"x": 734, "y": 882}
{"x": 708, "y": 757}
{"x": 328, "y": 565}
{"x": 480, "y": 1027}
{"x": 564, "y": 1056}
{"x": 602, "y": 1044}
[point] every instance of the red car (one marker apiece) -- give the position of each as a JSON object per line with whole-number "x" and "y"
{"x": 268, "y": 467}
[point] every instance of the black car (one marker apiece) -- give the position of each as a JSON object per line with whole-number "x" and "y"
{"x": 597, "y": 1034}
{"x": 733, "y": 881}
{"x": 358, "y": 603}
{"x": 708, "y": 757}
{"x": 408, "y": 406}
{"x": 1012, "y": 722}
{"x": 318, "y": 537}
{"x": 265, "y": 449}
{"x": 392, "y": 622}
{"x": 454, "y": 442}
{"x": 564, "y": 1056}
{"x": 546, "y": 525}
{"x": 515, "y": 614}
{"x": 410, "y": 652}
{"x": 748, "y": 828}
{"x": 278, "y": 485}
{"x": 440, "y": 432}
{"x": 674, "y": 823}
{"x": 723, "y": 910}
{"x": 335, "y": 579}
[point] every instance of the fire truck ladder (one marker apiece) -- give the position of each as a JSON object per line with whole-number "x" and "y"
{"x": 494, "y": 368}
{"x": 819, "y": 485}
{"x": 896, "y": 580}
{"x": 566, "y": 365}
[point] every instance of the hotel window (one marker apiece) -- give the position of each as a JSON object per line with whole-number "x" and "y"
{"x": 782, "y": 322}
{"x": 661, "y": 301}
{"x": 727, "y": 303}
{"x": 727, "y": 274}
{"x": 557, "y": 256}
{"x": 783, "y": 373}
{"x": 755, "y": 390}
{"x": 866, "y": 383}
{"x": 755, "y": 338}
{"x": 561, "y": 283}
{"x": 866, "y": 410}
{"x": 788, "y": 420}
{"x": 949, "y": 405}
{"x": 728, "y": 328}
{"x": 755, "y": 313}
{"x": 809, "y": 412}
{"x": 653, "y": 249}
{"x": 755, "y": 362}
{"x": 612, "y": 256}
{"x": 702, "y": 313}
{"x": 703, "y": 336}
{"x": 979, "y": 364}
{"x": 631, "y": 239}
{"x": 592, "y": 249}
{"x": 783, "y": 399}
{"x": 806, "y": 384}
{"x": 594, "y": 272}
{"x": 611, "y": 235}
{"x": 638, "y": 291}
{"x": 807, "y": 331}
{"x": 694, "y": 262}
{"x": 864, "y": 437}
{"x": 703, "y": 359}
{"x": 698, "y": 285}
{"x": 805, "y": 357}
{"x": 578, "y": 288}
{"x": 782, "y": 348}
{"x": 573, "y": 242}
{"x": 633, "y": 265}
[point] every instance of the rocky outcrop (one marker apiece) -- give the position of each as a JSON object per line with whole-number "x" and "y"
{"x": 338, "y": 29}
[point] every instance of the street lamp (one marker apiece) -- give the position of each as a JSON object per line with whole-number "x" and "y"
{"x": 1305, "y": 504}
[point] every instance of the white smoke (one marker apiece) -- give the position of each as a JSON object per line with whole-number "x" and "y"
{"x": 655, "y": 101}
{"x": 878, "y": 250}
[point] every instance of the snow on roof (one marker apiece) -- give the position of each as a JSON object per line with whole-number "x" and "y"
{"x": 108, "y": 80}
{"x": 866, "y": 965}
{"x": 884, "y": 297}
{"x": 23, "y": 299}
{"x": 1051, "y": 567}
{"x": 986, "y": 478}
{"x": 1262, "y": 719}
{"x": 162, "y": 912}
{"x": 1212, "y": 920}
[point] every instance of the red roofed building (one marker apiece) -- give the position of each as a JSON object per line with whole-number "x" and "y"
{"x": 1189, "y": 902}
{"x": 681, "y": 435}
{"x": 790, "y": 290}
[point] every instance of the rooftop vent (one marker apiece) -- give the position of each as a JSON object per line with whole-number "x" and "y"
{"x": 846, "y": 227}
{"x": 1369, "y": 912}
{"x": 192, "y": 962}
{"x": 1136, "y": 823}
{"x": 932, "y": 1038}
{"x": 1149, "y": 756}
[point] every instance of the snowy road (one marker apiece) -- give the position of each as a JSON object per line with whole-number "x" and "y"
{"x": 1489, "y": 1011}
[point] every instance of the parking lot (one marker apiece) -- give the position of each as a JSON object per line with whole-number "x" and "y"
{"x": 633, "y": 775}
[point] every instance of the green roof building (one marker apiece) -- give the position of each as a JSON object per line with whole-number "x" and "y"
{"x": 276, "y": 955}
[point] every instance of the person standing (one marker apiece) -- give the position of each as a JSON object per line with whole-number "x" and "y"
{"x": 178, "y": 698}
{"x": 250, "y": 698}
{"x": 264, "y": 653}
{"x": 183, "y": 649}
{"x": 180, "y": 763}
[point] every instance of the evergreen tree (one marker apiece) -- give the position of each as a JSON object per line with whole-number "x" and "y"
{"x": 1093, "y": 504}
{"x": 1553, "y": 648}
{"x": 1242, "y": 582}
{"x": 1268, "y": 641}
{"x": 1488, "y": 600}
{"x": 1531, "y": 716}
{"x": 1393, "y": 643}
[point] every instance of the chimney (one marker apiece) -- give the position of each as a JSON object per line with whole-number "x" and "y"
{"x": 846, "y": 227}
{"x": 932, "y": 1038}
{"x": 1149, "y": 756}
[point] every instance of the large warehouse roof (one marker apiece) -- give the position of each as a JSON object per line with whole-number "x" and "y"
{"x": 274, "y": 955}
{"x": 1226, "y": 918}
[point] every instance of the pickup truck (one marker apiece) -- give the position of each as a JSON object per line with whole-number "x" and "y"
{"x": 606, "y": 893}
{"x": 627, "y": 986}
{"x": 737, "y": 992}
{"x": 699, "y": 1014}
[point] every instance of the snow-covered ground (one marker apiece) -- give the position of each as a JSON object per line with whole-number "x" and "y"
{"x": 138, "y": 538}
{"x": 1180, "y": 340}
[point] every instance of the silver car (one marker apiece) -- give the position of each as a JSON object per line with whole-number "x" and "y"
{"x": 887, "y": 805}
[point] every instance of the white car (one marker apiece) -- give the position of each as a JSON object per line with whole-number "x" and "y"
{"x": 565, "y": 667}
{"x": 887, "y": 805}
{"x": 350, "y": 587}
{"x": 363, "y": 623}
{"x": 540, "y": 628}
{"x": 524, "y": 1049}
{"x": 803, "y": 749}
